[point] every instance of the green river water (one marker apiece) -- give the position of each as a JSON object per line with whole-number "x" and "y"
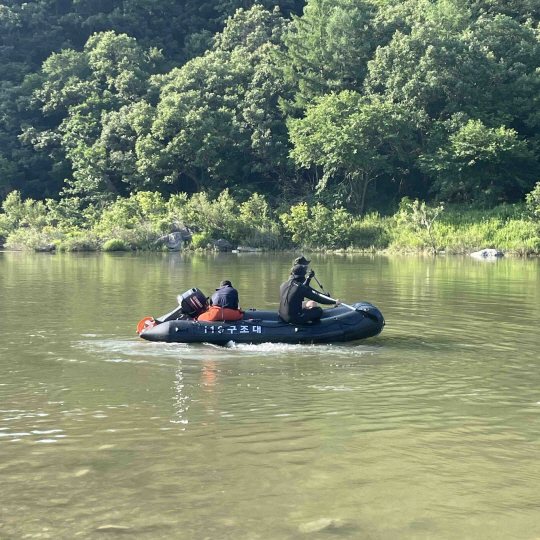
{"x": 431, "y": 430}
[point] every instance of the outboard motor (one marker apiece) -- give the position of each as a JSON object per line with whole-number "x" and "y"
{"x": 193, "y": 302}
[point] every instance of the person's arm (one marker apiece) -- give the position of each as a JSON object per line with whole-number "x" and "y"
{"x": 309, "y": 277}
{"x": 312, "y": 294}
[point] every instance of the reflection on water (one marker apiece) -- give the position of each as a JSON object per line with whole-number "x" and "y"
{"x": 429, "y": 430}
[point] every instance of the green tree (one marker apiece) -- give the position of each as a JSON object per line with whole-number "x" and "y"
{"x": 329, "y": 46}
{"x": 353, "y": 140}
{"x": 8, "y": 176}
{"x": 447, "y": 65}
{"x": 92, "y": 96}
{"x": 32, "y": 30}
{"x": 486, "y": 69}
{"x": 486, "y": 165}
{"x": 218, "y": 122}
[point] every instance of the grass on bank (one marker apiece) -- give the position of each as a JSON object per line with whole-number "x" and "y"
{"x": 137, "y": 222}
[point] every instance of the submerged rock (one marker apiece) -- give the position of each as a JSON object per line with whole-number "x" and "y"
{"x": 323, "y": 524}
{"x": 172, "y": 241}
{"x": 246, "y": 248}
{"x": 487, "y": 254}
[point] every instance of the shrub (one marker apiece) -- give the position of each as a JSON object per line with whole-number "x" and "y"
{"x": 262, "y": 239}
{"x": 5, "y": 227}
{"x": 460, "y": 231}
{"x": 258, "y": 224}
{"x": 137, "y": 221}
{"x": 28, "y": 238}
{"x": 318, "y": 227}
{"x": 218, "y": 218}
{"x": 67, "y": 213}
{"x": 80, "y": 241}
{"x": 200, "y": 240}
{"x": 128, "y": 213}
{"x": 369, "y": 232}
{"x": 115, "y": 244}
{"x": 255, "y": 213}
{"x": 28, "y": 213}
{"x": 533, "y": 203}
{"x": 419, "y": 219}
{"x": 142, "y": 236}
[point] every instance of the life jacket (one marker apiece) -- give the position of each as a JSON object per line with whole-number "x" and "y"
{"x": 217, "y": 313}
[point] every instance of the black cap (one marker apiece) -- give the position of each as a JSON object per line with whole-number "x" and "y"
{"x": 224, "y": 283}
{"x": 301, "y": 260}
{"x": 298, "y": 270}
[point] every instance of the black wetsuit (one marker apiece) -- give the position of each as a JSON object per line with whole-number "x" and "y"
{"x": 292, "y": 293}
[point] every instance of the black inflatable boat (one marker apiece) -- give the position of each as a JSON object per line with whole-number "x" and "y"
{"x": 338, "y": 324}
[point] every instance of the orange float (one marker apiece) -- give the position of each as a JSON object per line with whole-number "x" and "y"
{"x": 145, "y": 324}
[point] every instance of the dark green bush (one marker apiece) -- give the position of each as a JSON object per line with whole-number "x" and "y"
{"x": 115, "y": 244}
{"x": 200, "y": 241}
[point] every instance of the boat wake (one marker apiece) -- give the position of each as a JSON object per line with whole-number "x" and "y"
{"x": 285, "y": 349}
{"x": 138, "y": 351}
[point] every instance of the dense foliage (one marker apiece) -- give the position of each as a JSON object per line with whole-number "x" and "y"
{"x": 349, "y": 105}
{"x": 143, "y": 221}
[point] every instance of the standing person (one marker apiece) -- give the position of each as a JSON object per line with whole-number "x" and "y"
{"x": 292, "y": 294}
{"x": 224, "y": 304}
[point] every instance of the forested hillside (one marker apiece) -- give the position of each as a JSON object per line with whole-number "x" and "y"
{"x": 348, "y": 103}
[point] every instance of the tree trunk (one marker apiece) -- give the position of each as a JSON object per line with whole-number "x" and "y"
{"x": 367, "y": 180}
{"x": 359, "y": 185}
{"x": 111, "y": 187}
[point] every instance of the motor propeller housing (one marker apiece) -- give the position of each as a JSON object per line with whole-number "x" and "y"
{"x": 193, "y": 302}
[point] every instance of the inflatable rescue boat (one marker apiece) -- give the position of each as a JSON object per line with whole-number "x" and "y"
{"x": 357, "y": 321}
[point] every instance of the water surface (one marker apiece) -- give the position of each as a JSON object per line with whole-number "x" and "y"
{"x": 430, "y": 430}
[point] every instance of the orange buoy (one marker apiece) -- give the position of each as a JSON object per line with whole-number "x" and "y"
{"x": 145, "y": 324}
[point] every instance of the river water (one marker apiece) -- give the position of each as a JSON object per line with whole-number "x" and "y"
{"x": 431, "y": 430}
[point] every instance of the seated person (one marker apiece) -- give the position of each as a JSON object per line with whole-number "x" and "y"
{"x": 292, "y": 294}
{"x": 302, "y": 261}
{"x": 224, "y": 304}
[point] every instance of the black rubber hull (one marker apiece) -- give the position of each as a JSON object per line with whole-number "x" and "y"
{"x": 338, "y": 324}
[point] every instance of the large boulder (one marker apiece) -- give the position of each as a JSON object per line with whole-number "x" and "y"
{"x": 172, "y": 241}
{"x": 487, "y": 254}
{"x": 184, "y": 231}
{"x": 222, "y": 244}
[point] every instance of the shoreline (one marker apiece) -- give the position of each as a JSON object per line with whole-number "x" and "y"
{"x": 465, "y": 252}
{"x": 253, "y": 226}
